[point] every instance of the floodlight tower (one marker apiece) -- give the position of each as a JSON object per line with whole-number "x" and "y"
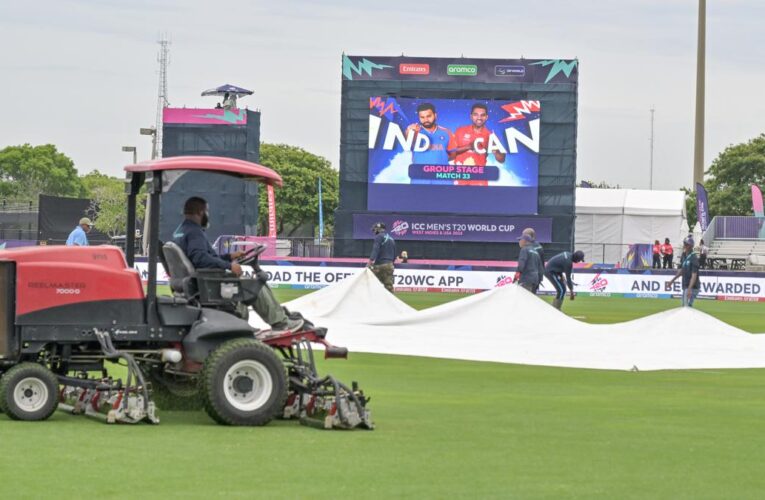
{"x": 163, "y": 57}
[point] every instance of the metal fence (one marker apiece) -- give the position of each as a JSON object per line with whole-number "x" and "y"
{"x": 17, "y": 234}
{"x": 15, "y": 206}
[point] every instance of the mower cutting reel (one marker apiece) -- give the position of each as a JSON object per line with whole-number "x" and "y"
{"x": 320, "y": 402}
{"x": 107, "y": 399}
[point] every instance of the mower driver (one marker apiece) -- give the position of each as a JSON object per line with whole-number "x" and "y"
{"x": 556, "y": 267}
{"x": 191, "y": 238}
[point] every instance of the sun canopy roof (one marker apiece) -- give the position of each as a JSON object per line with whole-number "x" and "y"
{"x": 215, "y": 164}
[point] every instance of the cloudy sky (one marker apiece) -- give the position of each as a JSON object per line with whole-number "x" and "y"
{"x": 83, "y": 74}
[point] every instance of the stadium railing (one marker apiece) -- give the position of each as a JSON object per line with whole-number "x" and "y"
{"x": 735, "y": 242}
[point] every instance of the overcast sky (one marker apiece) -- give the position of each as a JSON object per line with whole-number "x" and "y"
{"x": 83, "y": 74}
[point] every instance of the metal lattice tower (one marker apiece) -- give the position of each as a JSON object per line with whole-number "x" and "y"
{"x": 163, "y": 58}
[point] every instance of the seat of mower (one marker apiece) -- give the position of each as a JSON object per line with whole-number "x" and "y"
{"x": 179, "y": 267}
{"x": 172, "y": 300}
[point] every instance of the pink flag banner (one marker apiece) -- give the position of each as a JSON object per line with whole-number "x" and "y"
{"x": 757, "y": 206}
{"x": 271, "y": 212}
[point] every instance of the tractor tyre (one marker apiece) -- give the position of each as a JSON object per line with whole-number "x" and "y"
{"x": 243, "y": 383}
{"x": 29, "y": 391}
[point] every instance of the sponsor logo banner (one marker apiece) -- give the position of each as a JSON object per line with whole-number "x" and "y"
{"x": 462, "y": 70}
{"x": 452, "y": 227}
{"x": 444, "y": 69}
{"x": 414, "y": 69}
{"x": 509, "y": 70}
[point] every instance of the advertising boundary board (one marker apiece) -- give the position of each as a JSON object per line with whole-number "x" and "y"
{"x": 471, "y": 279}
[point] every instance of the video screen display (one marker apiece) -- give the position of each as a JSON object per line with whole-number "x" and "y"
{"x": 453, "y": 155}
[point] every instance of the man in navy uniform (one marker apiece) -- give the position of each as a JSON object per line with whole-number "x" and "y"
{"x": 689, "y": 270}
{"x": 558, "y": 266}
{"x": 530, "y": 270}
{"x": 191, "y": 237}
{"x": 383, "y": 255}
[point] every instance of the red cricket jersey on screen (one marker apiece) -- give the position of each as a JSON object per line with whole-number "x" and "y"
{"x": 467, "y": 135}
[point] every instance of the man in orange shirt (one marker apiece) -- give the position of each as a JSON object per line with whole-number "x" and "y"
{"x": 468, "y": 141}
{"x": 668, "y": 252}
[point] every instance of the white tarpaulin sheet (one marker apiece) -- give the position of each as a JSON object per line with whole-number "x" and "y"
{"x": 510, "y": 325}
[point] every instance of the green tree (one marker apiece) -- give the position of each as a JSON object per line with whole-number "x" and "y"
{"x": 27, "y": 171}
{"x": 731, "y": 175}
{"x": 598, "y": 185}
{"x": 109, "y": 203}
{"x": 297, "y": 201}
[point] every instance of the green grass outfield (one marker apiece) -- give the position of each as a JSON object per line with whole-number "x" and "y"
{"x": 446, "y": 429}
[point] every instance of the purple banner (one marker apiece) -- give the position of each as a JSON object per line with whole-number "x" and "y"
{"x": 702, "y": 207}
{"x": 452, "y": 227}
{"x": 460, "y": 69}
{"x": 16, "y": 243}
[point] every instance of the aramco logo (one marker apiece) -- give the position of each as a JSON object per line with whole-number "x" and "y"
{"x": 400, "y": 228}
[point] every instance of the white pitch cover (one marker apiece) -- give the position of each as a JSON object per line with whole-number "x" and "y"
{"x": 510, "y": 325}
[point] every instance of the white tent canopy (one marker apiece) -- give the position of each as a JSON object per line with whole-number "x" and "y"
{"x": 609, "y": 220}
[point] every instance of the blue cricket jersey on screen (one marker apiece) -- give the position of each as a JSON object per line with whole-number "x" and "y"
{"x": 437, "y": 153}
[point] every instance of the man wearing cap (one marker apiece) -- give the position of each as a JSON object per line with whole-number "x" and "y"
{"x": 559, "y": 265}
{"x": 383, "y": 255}
{"x": 689, "y": 270}
{"x": 538, "y": 247}
{"x": 530, "y": 270}
{"x": 79, "y": 235}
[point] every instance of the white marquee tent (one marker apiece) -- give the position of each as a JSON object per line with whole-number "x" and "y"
{"x": 609, "y": 220}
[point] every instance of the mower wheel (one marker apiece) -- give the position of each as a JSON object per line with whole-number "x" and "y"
{"x": 243, "y": 383}
{"x": 29, "y": 391}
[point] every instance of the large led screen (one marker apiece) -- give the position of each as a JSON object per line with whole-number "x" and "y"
{"x": 453, "y": 155}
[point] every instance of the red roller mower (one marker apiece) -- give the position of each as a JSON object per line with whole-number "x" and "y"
{"x": 67, "y": 311}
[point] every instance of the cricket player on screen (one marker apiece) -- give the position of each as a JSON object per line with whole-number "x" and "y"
{"x": 438, "y": 137}
{"x": 469, "y": 143}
